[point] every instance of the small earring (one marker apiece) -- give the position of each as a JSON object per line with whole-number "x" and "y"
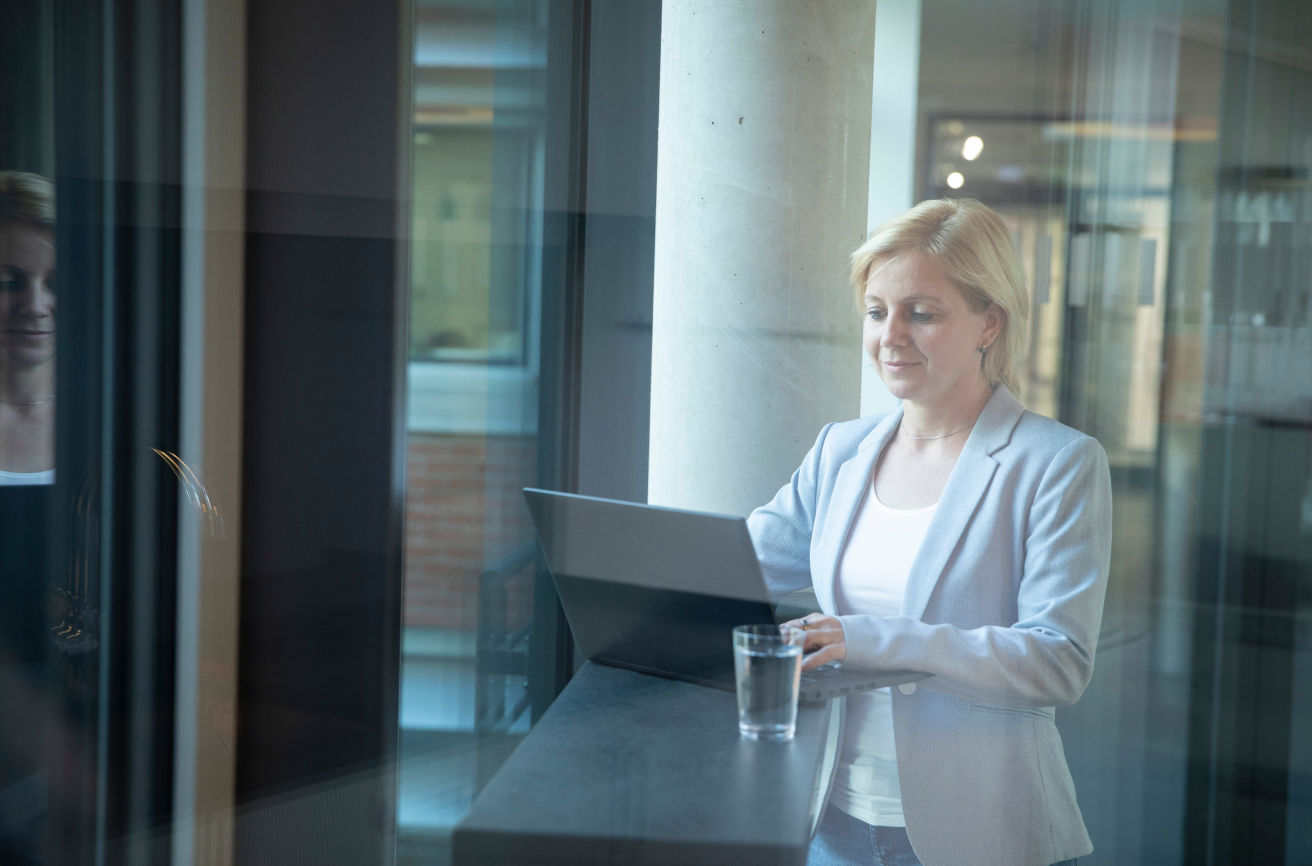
{"x": 983, "y": 349}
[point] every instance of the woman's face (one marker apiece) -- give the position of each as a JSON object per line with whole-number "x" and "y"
{"x": 27, "y": 295}
{"x": 919, "y": 331}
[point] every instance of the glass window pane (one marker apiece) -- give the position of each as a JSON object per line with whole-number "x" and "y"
{"x": 476, "y": 224}
{"x": 1058, "y": 468}
{"x": 1148, "y": 165}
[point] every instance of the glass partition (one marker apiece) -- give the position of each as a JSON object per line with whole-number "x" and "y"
{"x": 1150, "y": 163}
{"x": 91, "y": 463}
{"x": 1149, "y": 176}
{"x": 621, "y": 254}
{"x": 475, "y": 277}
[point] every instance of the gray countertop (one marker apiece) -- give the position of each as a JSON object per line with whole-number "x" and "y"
{"x": 627, "y": 768}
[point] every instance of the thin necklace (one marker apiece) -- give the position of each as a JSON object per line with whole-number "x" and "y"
{"x": 944, "y": 436}
{"x": 27, "y": 403}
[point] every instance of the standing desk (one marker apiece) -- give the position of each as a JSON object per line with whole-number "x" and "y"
{"x": 627, "y": 768}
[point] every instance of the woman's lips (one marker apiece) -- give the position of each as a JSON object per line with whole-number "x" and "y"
{"x": 898, "y": 366}
{"x": 22, "y": 332}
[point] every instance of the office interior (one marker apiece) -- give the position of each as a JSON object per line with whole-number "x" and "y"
{"x": 340, "y": 279}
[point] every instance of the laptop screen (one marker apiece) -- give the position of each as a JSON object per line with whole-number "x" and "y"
{"x": 649, "y": 588}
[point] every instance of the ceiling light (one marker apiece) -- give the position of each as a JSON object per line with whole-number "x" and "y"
{"x": 972, "y": 146}
{"x": 955, "y": 180}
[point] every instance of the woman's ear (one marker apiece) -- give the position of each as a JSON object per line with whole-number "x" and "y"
{"x": 994, "y": 318}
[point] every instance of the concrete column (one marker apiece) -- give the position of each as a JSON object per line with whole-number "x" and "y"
{"x": 761, "y": 190}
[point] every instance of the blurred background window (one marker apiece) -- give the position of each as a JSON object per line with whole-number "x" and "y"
{"x": 475, "y": 294}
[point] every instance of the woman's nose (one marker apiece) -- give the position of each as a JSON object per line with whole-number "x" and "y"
{"x": 34, "y": 298}
{"x": 895, "y": 332}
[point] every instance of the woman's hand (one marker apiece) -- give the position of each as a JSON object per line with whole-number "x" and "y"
{"x": 824, "y": 639}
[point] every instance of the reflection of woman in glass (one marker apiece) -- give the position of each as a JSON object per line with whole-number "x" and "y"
{"x": 959, "y": 535}
{"x": 27, "y": 329}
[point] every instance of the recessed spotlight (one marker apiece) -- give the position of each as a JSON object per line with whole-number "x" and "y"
{"x": 955, "y": 180}
{"x": 972, "y": 147}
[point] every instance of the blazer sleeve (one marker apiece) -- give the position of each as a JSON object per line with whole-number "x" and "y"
{"x": 781, "y": 529}
{"x": 1046, "y": 658}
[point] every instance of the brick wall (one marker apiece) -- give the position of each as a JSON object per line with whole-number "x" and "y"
{"x": 464, "y": 509}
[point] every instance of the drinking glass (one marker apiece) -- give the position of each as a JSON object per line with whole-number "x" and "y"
{"x": 767, "y": 661}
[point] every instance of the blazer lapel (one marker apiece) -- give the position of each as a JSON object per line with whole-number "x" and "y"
{"x": 850, "y": 487}
{"x": 961, "y": 498}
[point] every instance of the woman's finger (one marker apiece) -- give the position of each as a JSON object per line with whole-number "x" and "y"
{"x": 832, "y": 652}
{"x": 822, "y": 637}
{"x": 828, "y": 633}
{"x": 811, "y": 620}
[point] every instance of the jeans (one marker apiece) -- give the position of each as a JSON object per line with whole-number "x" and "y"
{"x": 842, "y": 840}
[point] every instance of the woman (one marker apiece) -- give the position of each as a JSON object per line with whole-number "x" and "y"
{"x": 960, "y": 535}
{"x": 27, "y": 329}
{"x": 27, "y": 391}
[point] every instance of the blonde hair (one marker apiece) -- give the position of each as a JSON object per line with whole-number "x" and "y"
{"x": 28, "y": 199}
{"x": 971, "y": 245}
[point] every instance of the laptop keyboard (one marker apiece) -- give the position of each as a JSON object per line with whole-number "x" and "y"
{"x": 822, "y": 674}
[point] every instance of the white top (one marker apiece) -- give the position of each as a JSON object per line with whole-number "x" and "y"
{"x": 871, "y": 580}
{"x": 26, "y": 479}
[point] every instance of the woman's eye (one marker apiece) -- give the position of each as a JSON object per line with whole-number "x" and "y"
{"x": 922, "y": 317}
{"x": 875, "y": 315}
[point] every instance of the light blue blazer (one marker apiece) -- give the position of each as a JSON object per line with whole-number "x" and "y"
{"x": 1002, "y": 606}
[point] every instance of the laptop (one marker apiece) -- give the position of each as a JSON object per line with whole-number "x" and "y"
{"x": 659, "y": 590}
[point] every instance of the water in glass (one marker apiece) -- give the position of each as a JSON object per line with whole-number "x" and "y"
{"x": 768, "y": 664}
